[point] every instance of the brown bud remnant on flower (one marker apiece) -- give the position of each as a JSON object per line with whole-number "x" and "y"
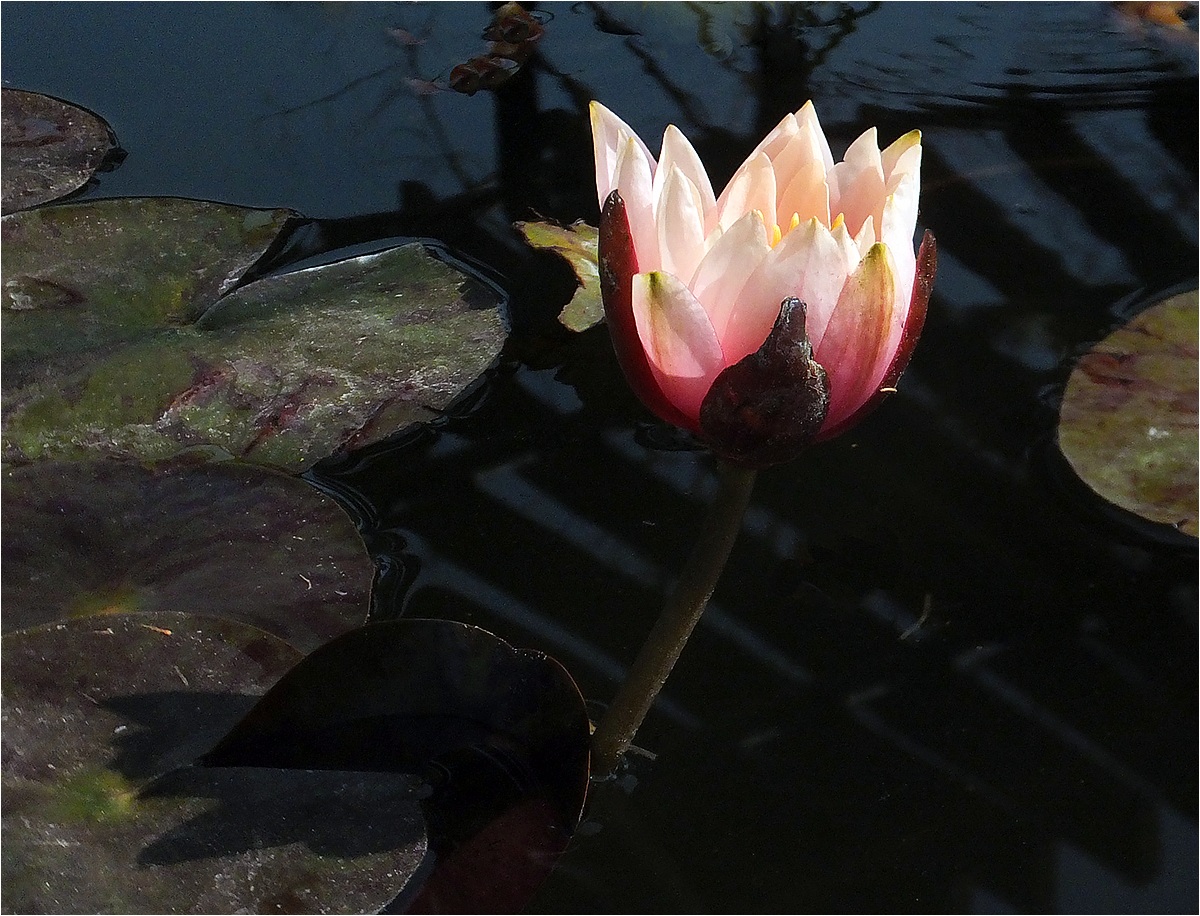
{"x": 769, "y": 406}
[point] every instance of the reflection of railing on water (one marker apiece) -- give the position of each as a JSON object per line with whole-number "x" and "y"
{"x": 917, "y": 640}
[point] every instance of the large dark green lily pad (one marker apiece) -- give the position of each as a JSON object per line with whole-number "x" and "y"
{"x": 1129, "y": 416}
{"x": 48, "y": 148}
{"x": 576, "y": 243}
{"x": 226, "y": 539}
{"x": 111, "y": 352}
{"x": 103, "y": 814}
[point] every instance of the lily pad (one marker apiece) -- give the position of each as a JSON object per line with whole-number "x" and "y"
{"x": 102, "y": 813}
{"x": 48, "y": 149}
{"x": 1129, "y": 416}
{"x": 105, "y": 356}
{"x": 226, "y": 539}
{"x": 576, "y": 243}
{"x": 502, "y": 735}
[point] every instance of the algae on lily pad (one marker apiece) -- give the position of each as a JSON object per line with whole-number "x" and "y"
{"x": 48, "y": 148}
{"x": 576, "y": 243}
{"x": 104, "y": 811}
{"x": 221, "y": 538}
{"x": 112, "y": 352}
{"x": 1128, "y": 422}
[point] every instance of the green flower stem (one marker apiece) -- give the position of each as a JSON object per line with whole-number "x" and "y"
{"x": 681, "y": 611}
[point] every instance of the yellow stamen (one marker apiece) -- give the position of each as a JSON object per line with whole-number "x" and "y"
{"x": 838, "y": 220}
{"x": 776, "y": 235}
{"x": 795, "y": 222}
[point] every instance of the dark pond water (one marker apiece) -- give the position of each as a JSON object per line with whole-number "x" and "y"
{"x": 1029, "y": 743}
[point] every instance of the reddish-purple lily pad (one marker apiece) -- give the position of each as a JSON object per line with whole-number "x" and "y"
{"x": 576, "y": 243}
{"x": 117, "y": 345}
{"x": 1128, "y": 422}
{"x": 48, "y": 148}
{"x": 225, "y": 539}
{"x": 102, "y": 812}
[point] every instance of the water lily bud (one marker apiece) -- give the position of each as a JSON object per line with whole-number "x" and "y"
{"x": 780, "y": 312}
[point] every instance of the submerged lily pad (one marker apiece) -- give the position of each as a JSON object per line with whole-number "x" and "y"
{"x": 434, "y": 687}
{"x": 103, "y": 814}
{"x": 1128, "y": 422}
{"x": 231, "y": 540}
{"x": 502, "y": 734}
{"x": 109, "y": 352}
{"x": 577, "y": 243}
{"x": 48, "y": 148}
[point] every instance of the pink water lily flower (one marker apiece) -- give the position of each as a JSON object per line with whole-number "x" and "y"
{"x": 775, "y": 314}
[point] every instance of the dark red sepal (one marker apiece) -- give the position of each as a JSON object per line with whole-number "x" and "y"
{"x": 767, "y": 408}
{"x": 618, "y": 265}
{"x": 913, "y": 325}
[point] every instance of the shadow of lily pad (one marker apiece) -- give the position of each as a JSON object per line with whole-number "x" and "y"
{"x": 576, "y": 243}
{"x": 121, "y": 341}
{"x": 222, "y": 539}
{"x": 1128, "y": 421}
{"x": 103, "y": 814}
{"x": 48, "y": 149}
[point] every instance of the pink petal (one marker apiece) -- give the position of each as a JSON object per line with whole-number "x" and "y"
{"x": 808, "y": 264}
{"x": 680, "y": 342}
{"x": 902, "y": 150}
{"x": 860, "y": 182}
{"x": 806, "y": 195}
{"x": 633, "y": 179}
{"x": 914, "y": 321}
{"x": 609, "y": 136}
{"x": 678, "y": 153}
{"x": 779, "y": 137}
{"x": 723, "y": 272}
{"x": 752, "y": 187}
{"x": 855, "y": 347}
{"x": 618, "y": 266}
{"x": 866, "y": 236}
{"x": 680, "y": 219}
{"x": 808, "y": 116}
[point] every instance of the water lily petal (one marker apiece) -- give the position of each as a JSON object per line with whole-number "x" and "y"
{"x": 680, "y": 219}
{"x": 914, "y": 322}
{"x": 899, "y": 221}
{"x": 678, "y": 338}
{"x": 854, "y": 348}
{"x": 609, "y": 137}
{"x": 860, "y": 182}
{"x": 808, "y": 264}
{"x": 678, "y": 153}
{"x": 780, "y": 136}
{"x": 618, "y": 266}
{"x": 902, "y": 148}
{"x": 866, "y": 236}
{"x": 722, "y": 273}
{"x": 808, "y": 116}
{"x": 806, "y": 194}
{"x": 752, "y": 187}
{"x": 633, "y": 179}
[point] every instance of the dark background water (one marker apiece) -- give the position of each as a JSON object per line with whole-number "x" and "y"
{"x": 1029, "y": 744}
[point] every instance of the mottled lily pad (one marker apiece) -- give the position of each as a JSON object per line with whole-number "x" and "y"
{"x": 1128, "y": 423}
{"x": 103, "y": 814}
{"x": 226, "y": 539}
{"x": 111, "y": 353}
{"x": 48, "y": 148}
{"x": 577, "y": 244}
{"x": 501, "y": 734}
